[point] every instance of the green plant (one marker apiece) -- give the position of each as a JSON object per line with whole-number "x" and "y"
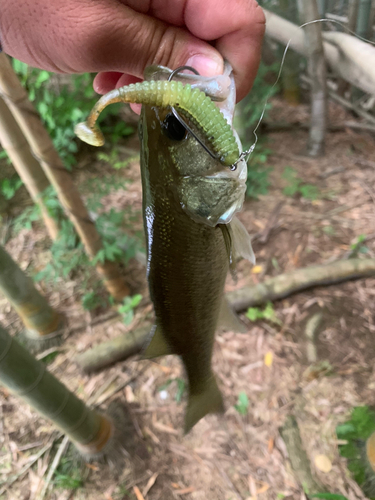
{"x": 181, "y": 386}
{"x": 63, "y": 105}
{"x": 113, "y": 159}
{"x": 67, "y": 255}
{"x": 296, "y": 185}
{"x": 269, "y": 314}
{"x": 32, "y": 214}
{"x": 355, "y": 432}
{"x": 91, "y": 301}
{"x": 358, "y": 247}
{"x": 256, "y": 106}
{"x": 67, "y": 475}
{"x": 115, "y": 131}
{"x": 257, "y": 175}
{"x": 9, "y": 187}
{"x": 117, "y": 245}
{"x": 127, "y": 308}
{"x": 242, "y": 403}
{"x": 26, "y": 218}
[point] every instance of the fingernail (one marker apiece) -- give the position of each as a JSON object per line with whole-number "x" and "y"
{"x": 206, "y": 66}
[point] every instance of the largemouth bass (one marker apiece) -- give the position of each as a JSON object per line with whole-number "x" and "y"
{"x": 192, "y": 236}
{"x": 185, "y": 194}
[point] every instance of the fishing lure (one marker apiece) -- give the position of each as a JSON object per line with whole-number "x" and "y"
{"x": 191, "y": 103}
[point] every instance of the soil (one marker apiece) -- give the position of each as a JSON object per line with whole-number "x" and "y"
{"x": 233, "y": 456}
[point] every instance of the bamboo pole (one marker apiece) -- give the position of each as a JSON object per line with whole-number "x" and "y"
{"x": 90, "y": 431}
{"x": 317, "y": 73}
{"x": 41, "y": 145}
{"x": 42, "y": 322}
{"x": 28, "y": 168}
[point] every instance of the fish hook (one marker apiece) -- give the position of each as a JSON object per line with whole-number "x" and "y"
{"x": 181, "y": 120}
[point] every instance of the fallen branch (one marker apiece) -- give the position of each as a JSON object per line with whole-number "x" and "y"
{"x": 297, "y": 456}
{"x": 349, "y": 58}
{"x": 286, "y": 284}
{"x": 112, "y": 351}
{"x": 131, "y": 343}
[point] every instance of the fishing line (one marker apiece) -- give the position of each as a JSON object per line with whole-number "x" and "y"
{"x": 245, "y": 155}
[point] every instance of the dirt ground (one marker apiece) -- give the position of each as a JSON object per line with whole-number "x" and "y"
{"x": 234, "y": 456}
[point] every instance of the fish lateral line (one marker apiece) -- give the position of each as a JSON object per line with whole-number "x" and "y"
{"x": 191, "y": 103}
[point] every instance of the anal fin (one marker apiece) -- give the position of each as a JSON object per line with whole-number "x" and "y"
{"x": 158, "y": 345}
{"x": 228, "y": 320}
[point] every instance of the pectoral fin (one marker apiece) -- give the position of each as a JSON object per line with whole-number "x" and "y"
{"x": 157, "y": 346}
{"x": 238, "y": 242}
{"x": 208, "y": 400}
{"x": 228, "y": 320}
{"x": 241, "y": 241}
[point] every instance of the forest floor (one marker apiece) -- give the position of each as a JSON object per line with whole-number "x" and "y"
{"x": 234, "y": 456}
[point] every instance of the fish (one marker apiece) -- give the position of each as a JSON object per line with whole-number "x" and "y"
{"x": 190, "y": 199}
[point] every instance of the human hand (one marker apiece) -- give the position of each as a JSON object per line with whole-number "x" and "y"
{"x": 120, "y": 38}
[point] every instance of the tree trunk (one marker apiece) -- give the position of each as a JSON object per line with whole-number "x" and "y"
{"x": 290, "y": 71}
{"x": 343, "y": 86}
{"x": 322, "y": 7}
{"x": 363, "y": 19}
{"x": 28, "y": 378}
{"x": 317, "y": 74}
{"x": 42, "y": 147}
{"x": 41, "y": 321}
{"x": 352, "y": 14}
{"x": 28, "y": 168}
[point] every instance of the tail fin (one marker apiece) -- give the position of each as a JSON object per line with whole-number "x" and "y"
{"x": 208, "y": 400}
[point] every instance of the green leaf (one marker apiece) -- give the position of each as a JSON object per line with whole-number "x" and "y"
{"x": 181, "y": 385}
{"x": 242, "y": 404}
{"x": 253, "y": 313}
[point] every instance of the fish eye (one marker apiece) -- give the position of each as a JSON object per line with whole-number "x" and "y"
{"x": 173, "y": 129}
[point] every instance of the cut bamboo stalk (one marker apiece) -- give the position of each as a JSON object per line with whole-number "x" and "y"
{"x": 44, "y": 326}
{"x": 27, "y": 167}
{"x": 90, "y": 431}
{"x": 43, "y": 149}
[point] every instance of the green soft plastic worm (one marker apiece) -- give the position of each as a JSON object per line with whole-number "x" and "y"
{"x": 191, "y": 103}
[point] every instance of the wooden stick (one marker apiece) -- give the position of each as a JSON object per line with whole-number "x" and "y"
{"x": 298, "y": 457}
{"x": 112, "y": 351}
{"x": 286, "y": 284}
{"x": 124, "y": 346}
